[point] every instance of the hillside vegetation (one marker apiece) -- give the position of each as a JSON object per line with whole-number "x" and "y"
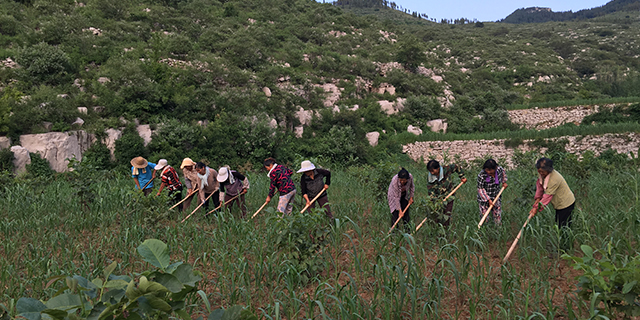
{"x": 538, "y": 15}
{"x": 159, "y": 62}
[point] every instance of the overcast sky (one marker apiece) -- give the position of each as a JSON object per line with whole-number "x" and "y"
{"x": 489, "y": 10}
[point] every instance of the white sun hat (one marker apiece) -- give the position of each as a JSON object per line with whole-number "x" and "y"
{"x": 161, "y": 164}
{"x": 223, "y": 174}
{"x": 306, "y": 166}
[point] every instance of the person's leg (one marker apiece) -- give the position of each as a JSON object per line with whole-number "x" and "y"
{"x": 177, "y": 197}
{"x": 206, "y": 203}
{"x": 448, "y": 209}
{"x": 482, "y": 206}
{"x": 187, "y": 203}
{"x": 147, "y": 191}
{"x": 323, "y": 202}
{"x": 497, "y": 213}
{"x": 563, "y": 218}
{"x": 291, "y": 195}
{"x": 394, "y": 217}
{"x": 403, "y": 205}
{"x": 216, "y": 199}
{"x": 242, "y": 204}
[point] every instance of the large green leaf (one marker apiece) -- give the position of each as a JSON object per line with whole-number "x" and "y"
{"x": 170, "y": 281}
{"x": 155, "y": 252}
{"x": 30, "y": 308}
{"x": 184, "y": 273}
{"x": 56, "y": 314}
{"x": 64, "y": 302}
{"x": 232, "y": 313}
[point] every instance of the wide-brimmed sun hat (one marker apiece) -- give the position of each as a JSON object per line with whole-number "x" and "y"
{"x": 223, "y": 174}
{"x": 306, "y": 166}
{"x": 139, "y": 162}
{"x": 187, "y": 162}
{"x": 161, "y": 164}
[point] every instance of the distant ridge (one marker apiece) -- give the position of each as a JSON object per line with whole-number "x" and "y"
{"x": 539, "y": 15}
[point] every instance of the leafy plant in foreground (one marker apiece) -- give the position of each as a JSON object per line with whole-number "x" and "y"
{"x": 616, "y": 285}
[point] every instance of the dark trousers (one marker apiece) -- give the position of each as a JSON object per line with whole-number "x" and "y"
{"x": 242, "y": 204}
{"x": 395, "y": 214}
{"x": 177, "y": 197}
{"x": 323, "y": 202}
{"x": 563, "y": 219}
{"x": 147, "y": 191}
{"x": 215, "y": 198}
{"x": 447, "y": 212}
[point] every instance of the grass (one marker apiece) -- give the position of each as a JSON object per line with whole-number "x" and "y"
{"x": 434, "y": 273}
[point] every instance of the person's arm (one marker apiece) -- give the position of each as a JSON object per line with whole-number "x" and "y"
{"x": 303, "y": 186}
{"x": 187, "y": 183}
{"x": 538, "y": 197}
{"x": 327, "y": 175}
{"x": 135, "y": 178}
{"x": 411, "y": 188}
{"x": 504, "y": 178}
{"x": 272, "y": 186}
{"x": 161, "y": 188}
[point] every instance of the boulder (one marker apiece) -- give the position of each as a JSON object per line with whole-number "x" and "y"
{"x": 46, "y": 126}
{"x": 299, "y": 130}
{"x": 415, "y": 130}
{"x": 273, "y": 124}
{"x": 21, "y": 158}
{"x": 373, "y": 138}
{"x": 79, "y": 122}
{"x": 57, "y": 147}
{"x": 5, "y": 142}
{"x": 267, "y": 91}
{"x": 304, "y": 116}
{"x": 98, "y": 109}
{"x": 103, "y": 80}
{"x": 144, "y": 130}
{"x": 110, "y": 140}
{"x": 438, "y": 125}
{"x": 387, "y": 107}
{"x": 83, "y": 110}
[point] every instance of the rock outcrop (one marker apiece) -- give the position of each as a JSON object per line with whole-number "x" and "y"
{"x": 373, "y": 137}
{"x": 415, "y": 130}
{"x": 21, "y": 158}
{"x": 5, "y": 142}
{"x": 437, "y": 125}
{"x": 57, "y": 147}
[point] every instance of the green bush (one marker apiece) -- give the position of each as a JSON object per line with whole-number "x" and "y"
{"x": 98, "y": 156}
{"x": 6, "y": 160}
{"x": 423, "y": 108}
{"x": 39, "y": 167}
{"x": 43, "y": 63}
{"x": 129, "y": 146}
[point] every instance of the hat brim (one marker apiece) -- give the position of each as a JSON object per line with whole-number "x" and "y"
{"x": 222, "y": 178}
{"x": 140, "y": 165}
{"x": 159, "y": 167}
{"x": 306, "y": 169}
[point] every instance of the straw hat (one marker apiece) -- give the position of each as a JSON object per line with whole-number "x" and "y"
{"x": 139, "y": 162}
{"x": 161, "y": 164}
{"x": 306, "y": 166}
{"x": 187, "y": 162}
{"x": 223, "y": 174}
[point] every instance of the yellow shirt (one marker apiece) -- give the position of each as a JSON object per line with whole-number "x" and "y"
{"x": 559, "y": 189}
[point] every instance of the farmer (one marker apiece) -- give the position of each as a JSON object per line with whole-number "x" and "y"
{"x": 142, "y": 173}
{"x": 440, "y": 184}
{"x": 280, "y": 177}
{"x": 208, "y": 184}
{"x": 552, "y": 188}
{"x": 232, "y": 184}
{"x": 170, "y": 179}
{"x": 490, "y": 180}
{"x": 315, "y": 181}
{"x": 191, "y": 180}
{"x": 400, "y": 195}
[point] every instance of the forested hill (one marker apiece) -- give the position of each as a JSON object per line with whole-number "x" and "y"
{"x": 539, "y": 15}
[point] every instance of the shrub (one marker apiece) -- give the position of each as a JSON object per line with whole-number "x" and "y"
{"x": 39, "y": 167}
{"x": 98, "y": 156}
{"x": 44, "y": 63}
{"x": 129, "y": 146}
{"x": 6, "y": 160}
{"x": 423, "y": 108}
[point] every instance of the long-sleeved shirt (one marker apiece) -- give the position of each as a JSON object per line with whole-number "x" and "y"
{"x": 191, "y": 178}
{"x": 170, "y": 178}
{"x": 213, "y": 184}
{"x": 312, "y": 187}
{"x": 281, "y": 180}
{"x": 240, "y": 182}
{"x": 489, "y": 186}
{"x": 555, "y": 190}
{"x": 396, "y": 189}
{"x": 442, "y": 183}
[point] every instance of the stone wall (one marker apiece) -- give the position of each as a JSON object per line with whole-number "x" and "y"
{"x": 469, "y": 150}
{"x": 545, "y": 118}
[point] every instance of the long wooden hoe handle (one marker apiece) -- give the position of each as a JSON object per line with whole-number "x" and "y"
{"x": 443, "y": 200}
{"x": 312, "y": 201}
{"x": 198, "y": 207}
{"x": 185, "y": 199}
{"x": 399, "y": 217}
{"x": 486, "y": 214}
{"x": 220, "y": 206}
{"x": 515, "y": 242}
{"x": 145, "y": 186}
{"x": 255, "y": 214}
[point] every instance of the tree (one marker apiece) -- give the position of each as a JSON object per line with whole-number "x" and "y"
{"x": 411, "y": 54}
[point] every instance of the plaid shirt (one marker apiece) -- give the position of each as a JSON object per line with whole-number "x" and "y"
{"x": 170, "y": 179}
{"x": 441, "y": 188}
{"x": 281, "y": 180}
{"x": 489, "y": 190}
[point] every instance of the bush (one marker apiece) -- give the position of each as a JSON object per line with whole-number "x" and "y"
{"x": 6, "y": 160}
{"x": 98, "y": 156}
{"x": 423, "y": 108}
{"x": 43, "y": 63}
{"x": 129, "y": 146}
{"x": 39, "y": 167}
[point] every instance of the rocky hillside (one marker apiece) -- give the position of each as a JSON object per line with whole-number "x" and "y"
{"x": 220, "y": 74}
{"x": 540, "y": 15}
